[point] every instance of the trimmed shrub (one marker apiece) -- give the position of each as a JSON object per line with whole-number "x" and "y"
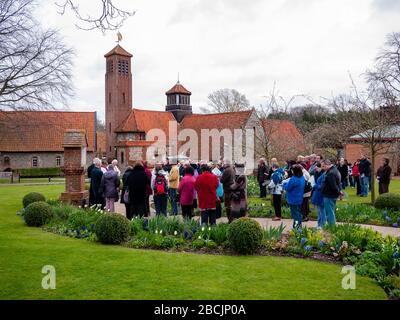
{"x": 245, "y": 235}
{"x": 112, "y": 228}
{"x": 38, "y": 214}
{"x": 388, "y": 201}
{"x": 31, "y": 198}
{"x": 40, "y": 172}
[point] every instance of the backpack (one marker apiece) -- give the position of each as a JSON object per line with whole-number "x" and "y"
{"x": 160, "y": 185}
{"x": 277, "y": 177}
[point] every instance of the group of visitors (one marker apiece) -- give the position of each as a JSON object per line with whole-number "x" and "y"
{"x": 186, "y": 185}
{"x": 318, "y": 180}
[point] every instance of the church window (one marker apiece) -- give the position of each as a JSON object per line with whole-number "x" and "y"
{"x": 109, "y": 127}
{"x": 123, "y": 97}
{"x": 6, "y": 161}
{"x": 123, "y": 67}
{"x": 122, "y": 157}
{"x": 109, "y": 97}
{"x": 58, "y": 161}
{"x": 35, "y": 161}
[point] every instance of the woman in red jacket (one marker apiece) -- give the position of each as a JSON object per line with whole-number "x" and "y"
{"x": 187, "y": 192}
{"x": 206, "y": 186}
{"x": 355, "y": 172}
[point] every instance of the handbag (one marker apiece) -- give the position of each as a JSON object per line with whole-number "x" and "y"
{"x": 307, "y": 187}
{"x": 126, "y": 196}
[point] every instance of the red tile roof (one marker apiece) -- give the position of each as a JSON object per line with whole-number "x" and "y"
{"x": 145, "y": 120}
{"x": 35, "y": 131}
{"x": 227, "y": 120}
{"x": 178, "y": 88}
{"x": 101, "y": 141}
{"x": 118, "y": 50}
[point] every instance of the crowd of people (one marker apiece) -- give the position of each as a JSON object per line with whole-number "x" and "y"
{"x": 187, "y": 185}
{"x": 312, "y": 178}
{"x": 190, "y": 185}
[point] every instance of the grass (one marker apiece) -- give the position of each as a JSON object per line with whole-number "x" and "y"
{"x": 87, "y": 270}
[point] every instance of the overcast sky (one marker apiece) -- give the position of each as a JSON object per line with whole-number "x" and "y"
{"x": 305, "y": 46}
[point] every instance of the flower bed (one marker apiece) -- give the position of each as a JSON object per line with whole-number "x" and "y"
{"x": 371, "y": 254}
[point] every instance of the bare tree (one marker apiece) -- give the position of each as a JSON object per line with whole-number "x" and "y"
{"x": 271, "y": 137}
{"x": 35, "y": 64}
{"x": 384, "y": 78}
{"x": 227, "y": 100}
{"x": 110, "y": 17}
{"x": 364, "y": 120}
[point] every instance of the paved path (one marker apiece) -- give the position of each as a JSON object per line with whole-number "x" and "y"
{"x": 266, "y": 222}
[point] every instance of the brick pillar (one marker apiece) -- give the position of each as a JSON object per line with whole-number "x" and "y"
{"x": 75, "y": 145}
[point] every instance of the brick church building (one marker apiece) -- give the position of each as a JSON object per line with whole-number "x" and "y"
{"x": 128, "y": 128}
{"x": 34, "y": 138}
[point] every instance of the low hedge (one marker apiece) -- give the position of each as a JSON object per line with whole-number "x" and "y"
{"x": 31, "y": 198}
{"x": 39, "y": 172}
{"x": 388, "y": 201}
{"x": 112, "y": 228}
{"x": 38, "y": 214}
{"x": 245, "y": 235}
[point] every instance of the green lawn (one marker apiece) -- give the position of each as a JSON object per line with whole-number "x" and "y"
{"x": 88, "y": 270}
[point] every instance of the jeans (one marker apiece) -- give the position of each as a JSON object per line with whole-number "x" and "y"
{"x": 174, "y": 204}
{"x": 295, "y": 211}
{"x": 321, "y": 216}
{"x": 263, "y": 190}
{"x": 330, "y": 208}
{"x": 208, "y": 217}
{"x": 364, "y": 186}
{"x": 160, "y": 202}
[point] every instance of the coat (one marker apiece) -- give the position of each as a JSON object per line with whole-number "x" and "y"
{"x": 138, "y": 183}
{"x": 317, "y": 198}
{"x": 239, "y": 197}
{"x": 294, "y": 188}
{"x": 275, "y": 185}
{"x": 125, "y": 183}
{"x": 173, "y": 178}
{"x": 95, "y": 185}
{"x": 262, "y": 173}
{"x": 206, "y": 186}
{"x": 186, "y": 190}
{"x": 109, "y": 184}
{"x": 227, "y": 178}
{"x": 384, "y": 173}
{"x": 364, "y": 167}
{"x": 332, "y": 183}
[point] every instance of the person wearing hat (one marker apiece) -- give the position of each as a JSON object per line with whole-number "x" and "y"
{"x": 239, "y": 204}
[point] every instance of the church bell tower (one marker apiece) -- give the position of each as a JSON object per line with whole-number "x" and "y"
{"x": 118, "y": 94}
{"x": 178, "y": 101}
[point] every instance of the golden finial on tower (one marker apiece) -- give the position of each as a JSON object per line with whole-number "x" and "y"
{"x": 119, "y": 35}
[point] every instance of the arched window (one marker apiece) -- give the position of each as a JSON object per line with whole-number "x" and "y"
{"x": 122, "y": 157}
{"x": 7, "y": 161}
{"x": 58, "y": 161}
{"x": 35, "y": 162}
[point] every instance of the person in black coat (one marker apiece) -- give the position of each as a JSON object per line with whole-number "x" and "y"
{"x": 383, "y": 176}
{"x": 89, "y": 174}
{"x": 365, "y": 173}
{"x": 262, "y": 172}
{"x": 125, "y": 176}
{"x": 137, "y": 183}
{"x": 95, "y": 182}
{"x": 343, "y": 169}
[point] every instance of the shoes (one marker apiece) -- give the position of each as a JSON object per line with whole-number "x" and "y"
{"x": 276, "y": 219}
{"x": 305, "y": 219}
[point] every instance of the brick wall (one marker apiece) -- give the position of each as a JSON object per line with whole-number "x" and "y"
{"x": 22, "y": 160}
{"x": 352, "y": 152}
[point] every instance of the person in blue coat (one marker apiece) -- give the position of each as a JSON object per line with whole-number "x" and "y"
{"x": 317, "y": 198}
{"x": 294, "y": 188}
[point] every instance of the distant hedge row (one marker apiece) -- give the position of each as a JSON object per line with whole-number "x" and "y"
{"x": 39, "y": 172}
